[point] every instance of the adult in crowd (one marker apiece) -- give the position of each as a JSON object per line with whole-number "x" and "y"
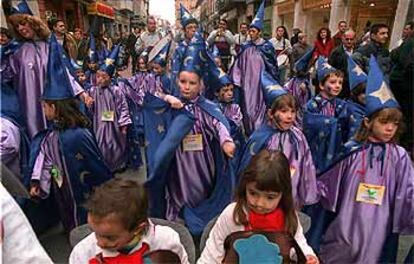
{"x": 379, "y": 35}
{"x": 132, "y": 39}
{"x": 241, "y": 37}
{"x": 339, "y": 59}
{"x": 323, "y": 43}
{"x": 401, "y": 80}
{"x": 81, "y": 44}
{"x": 301, "y": 47}
{"x": 337, "y": 38}
{"x": 224, "y": 41}
{"x": 65, "y": 39}
{"x": 295, "y": 36}
{"x": 148, "y": 38}
{"x": 283, "y": 50}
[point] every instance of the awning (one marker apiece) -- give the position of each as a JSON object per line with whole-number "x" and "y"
{"x": 100, "y": 9}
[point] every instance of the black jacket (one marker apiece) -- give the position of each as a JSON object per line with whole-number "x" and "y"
{"x": 362, "y": 54}
{"x": 339, "y": 60}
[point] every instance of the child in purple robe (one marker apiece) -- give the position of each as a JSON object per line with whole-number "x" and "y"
{"x": 371, "y": 188}
{"x": 264, "y": 203}
{"x": 280, "y": 133}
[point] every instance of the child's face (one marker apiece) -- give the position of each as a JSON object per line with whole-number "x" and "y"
{"x": 102, "y": 78}
{"x": 226, "y": 94}
{"x": 218, "y": 62}
{"x": 283, "y": 118}
{"x": 49, "y": 110}
{"x": 261, "y": 202}
{"x": 189, "y": 83}
{"x": 81, "y": 76}
{"x": 93, "y": 66}
{"x": 361, "y": 98}
{"x": 157, "y": 69}
{"x": 382, "y": 130}
{"x": 110, "y": 232}
{"x": 332, "y": 87}
{"x": 142, "y": 66}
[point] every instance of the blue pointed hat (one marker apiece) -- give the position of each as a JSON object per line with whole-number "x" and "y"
{"x": 92, "y": 55}
{"x": 161, "y": 57}
{"x": 378, "y": 93}
{"x": 57, "y": 84}
{"x": 258, "y": 19}
{"x": 302, "y": 65}
{"x": 186, "y": 17}
{"x": 271, "y": 88}
{"x": 323, "y": 68}
{"x": 217, "y": 78}
{"x": 194, "y": 57}
{"x": 109, "y": 64}
{"x": 355, "y": 74}
{"x": 22, "y": 8}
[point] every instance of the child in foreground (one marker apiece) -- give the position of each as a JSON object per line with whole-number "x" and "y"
{"x": 122, "y": 231}
{"x": 264, "y": 202}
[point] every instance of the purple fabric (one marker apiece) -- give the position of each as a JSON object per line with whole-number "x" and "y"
{"x": 49, "y": 157}
{"x": 233, "y": 112}
{"x": 111, "y": 141}
{"x": 10, "y": 146}
{"x": 193, "y": 178}
{"x": 245, "y": 73}
{"x": 29, "y": 65}
{"x": 299, "y": 88}
{"x": 294, "y": 145}
{"x": 142, "y": 83}
{"x": 358, "y": 232}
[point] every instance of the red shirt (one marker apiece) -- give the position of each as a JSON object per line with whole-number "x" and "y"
{"x": 323, "y": 49}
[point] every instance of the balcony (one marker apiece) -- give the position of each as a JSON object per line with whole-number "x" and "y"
{"x": 126, "y": 5}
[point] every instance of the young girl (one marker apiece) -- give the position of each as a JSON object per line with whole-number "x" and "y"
{"x": 111, "y": 116}
{"x": 122, "y": 231}
{"x": 264, "y": 202}
{"x": 370, "y": 190}
{"x": 65, "y": 159}
{"x": 279, "y": 133}
{"x": 191, "y": 178}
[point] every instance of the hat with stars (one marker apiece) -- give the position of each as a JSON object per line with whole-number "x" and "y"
{"x": 378, "y": 93}
{"x": 22, "y": 8}
{"x": 57, "y": 84}
{"x": 302, "y": 65}
{"x": 355, "y": 73}
{"x": 217, "y": 78}
{"x": 323, "y": 68}
{"x": 161, "y": 57}
{"x": 92, "y": 55}
{"x": 194, "y": 57}
{"x": 271, "y": 88}
{"x": 186, "y": 17}
{"x": 258, "y": 19}
{"x": 109, "y": 65}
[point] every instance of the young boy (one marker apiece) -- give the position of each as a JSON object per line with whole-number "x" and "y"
{"x": 122, "y": 231}
{"x": 111, "y": 116}
{"x": 159, "y": 68}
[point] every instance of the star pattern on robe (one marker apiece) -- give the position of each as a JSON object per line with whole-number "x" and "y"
{"x": 358, "y": 71}
{"x": 109, "y": 61}
{"x": 383, "y": 93}
{"x": 79, "y": 156}
{"x": 160, "y": 129}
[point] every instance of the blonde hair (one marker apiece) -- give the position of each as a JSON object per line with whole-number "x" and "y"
{"x": 38, "y": 26}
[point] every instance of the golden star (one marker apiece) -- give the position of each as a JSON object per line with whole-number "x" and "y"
{"x": 383, "y": 93}
{"x": 160, "y": 129}
{"x": 79, "y": 156}
{"x": 109, "y": 61}
{"x": 358, "y": 71}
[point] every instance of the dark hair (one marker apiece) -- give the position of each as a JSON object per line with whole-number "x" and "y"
{"x": 223, "y": 20}
{"x": 286, "y": 100}
{"x": 78, "y": 30}
{"x": 6, "y": 32}
{"x": 337, "y": 73}
{"x": 385, "y": 115}
{"x": 68, "y": 114}
{"x": 285, "y": 35}
{"x": 342, "y": 21}
{"x": 359, "y": 89}
{"x": 243, "y": 23}
{"x": 54, "y": 22}
{"x": 270, "y": 171}
{"x": 191, "y": 21}
{"x": 376, "y": 28}
{"x": 411, "y": 24}
{"x": 328, "y": 33}
{"x": 125, "y": 198}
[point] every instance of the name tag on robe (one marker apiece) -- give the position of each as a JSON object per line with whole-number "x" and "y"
{"x": 193, "y": 143}
{"x": 57, "y": 176}
{"x": 108, "y": 116}
{"x": 370, "y": 193}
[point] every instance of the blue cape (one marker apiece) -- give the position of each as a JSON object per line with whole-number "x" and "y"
{"x": 161, "y": 149}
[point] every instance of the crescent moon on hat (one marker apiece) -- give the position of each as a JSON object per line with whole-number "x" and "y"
{"x": 251, "y": 149}
{"x": 187, "y": 60}
{"x": 200, "y": 53}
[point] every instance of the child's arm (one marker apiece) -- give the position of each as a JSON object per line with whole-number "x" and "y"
{"x": 303, "y": 244}
{"x": 226, "y": 141}
{"x": 41, "y": 177}
{"x": 124, "y": 118}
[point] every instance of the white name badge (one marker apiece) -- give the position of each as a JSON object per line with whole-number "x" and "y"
{"x": 370, "y": 193}
{"x": 193, "y": 143}
{"x": 108, "y": 116}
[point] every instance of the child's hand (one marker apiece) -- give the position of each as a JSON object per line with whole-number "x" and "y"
{"x": 35, "y": 191}
{"x": 88, "y": 100}
{"x": 124, "y": 129}
{"x": 229, "y": 148}
{"x": 174, "y": 102}
{"x": 310, "y": 259}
